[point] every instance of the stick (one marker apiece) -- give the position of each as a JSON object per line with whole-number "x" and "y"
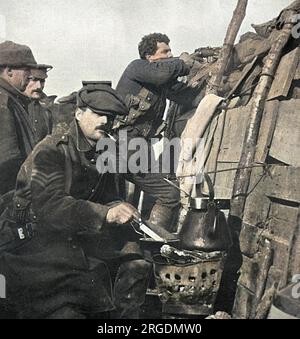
{"x": 242, "y": 179}
{"x": 233, "y": 29}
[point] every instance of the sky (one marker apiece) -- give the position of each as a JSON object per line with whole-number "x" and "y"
{"x": 97, "y": 39}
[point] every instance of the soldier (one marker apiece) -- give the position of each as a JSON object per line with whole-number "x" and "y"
{"x": 68, "y": 220}
{"x": 40, "y": 116}
{"x": 16, "y": 134}
{"x": 144, "y": 86}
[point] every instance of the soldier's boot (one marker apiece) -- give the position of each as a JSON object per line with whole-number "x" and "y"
{"x": 130, "y": 288}
{"x": 164, "y": 217}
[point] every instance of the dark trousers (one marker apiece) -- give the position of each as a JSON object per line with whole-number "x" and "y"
{"x": 154, "y": 185}
{"x": 130, "y": 285}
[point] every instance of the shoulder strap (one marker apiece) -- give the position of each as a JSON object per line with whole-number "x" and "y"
{"x": 68, "y": 169}
{"x": 145, "y": 94}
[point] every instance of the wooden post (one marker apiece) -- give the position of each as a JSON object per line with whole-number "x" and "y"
{"x": 232, "y": 31}
{"x": 242, "y": 178}
{"x": 294, "y": 264}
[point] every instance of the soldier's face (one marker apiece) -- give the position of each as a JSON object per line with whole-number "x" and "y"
{"x": 163, "y": 52}
{"x": 91, "y": 124}
{"x": 34, "y": 89}
{"x": 19, "y": 78}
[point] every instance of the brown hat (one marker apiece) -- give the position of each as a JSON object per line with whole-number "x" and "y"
{"x": 12, "y": 54}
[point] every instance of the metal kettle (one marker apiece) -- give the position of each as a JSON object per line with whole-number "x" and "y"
{"x": 205, "y": 227}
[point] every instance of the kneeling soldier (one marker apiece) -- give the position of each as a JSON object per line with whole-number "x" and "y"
{"x": 67, "y": 220}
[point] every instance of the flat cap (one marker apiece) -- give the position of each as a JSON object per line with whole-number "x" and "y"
{"x": 68, "y": 99}
{"x": 40, "y": 72}
{"x": 101, "y": 99}
{"x": 12, "y": 54}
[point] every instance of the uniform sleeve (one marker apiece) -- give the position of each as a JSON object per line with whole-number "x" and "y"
{"x": 51, "y": 205}
{"x": 10, "y": 154}
{"x": 158, "y": 73}
{"x": 181, "y": 93}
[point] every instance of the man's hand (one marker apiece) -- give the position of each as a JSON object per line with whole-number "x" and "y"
{"x": 187, "y": 59}
{"x": 122, "y": 214}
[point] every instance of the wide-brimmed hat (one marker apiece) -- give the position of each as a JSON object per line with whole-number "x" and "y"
{"x": 16, "y": 55}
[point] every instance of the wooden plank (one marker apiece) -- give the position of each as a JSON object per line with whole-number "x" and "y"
{"x": 254, "y": 271}
{"x": 274, "y": 277}
{"x": 281, "y": 249}
{"x": 226, "y": 149}
{"x": 266, "y": 131}
{"x": 294, "y": 263}
{"x": 266, "y": 234}
{"x": 249, "y": 273}
{"x": 284, "y": 184}
{"x": 285, "y": 74}
{"x": 242, "y": 76}
{"x": 260, "y": 94}
{"x": 257, "y": 204}
{"x": 281, "y": 261}
{"x": 215, "y": 136}
{"x": 282, "y": 222}
{"x": 265, "y": 255}
{"x": 244, "y": 303}
{"x": 234, "y": 133}
{"x": 286, "y": 140}
{"x": 297, "y": 74}
{"x": 280, "y": 230}
{"x": 249, "y": 239}
{"x": 224, "y": 181}
{"x": 264, "y": 304}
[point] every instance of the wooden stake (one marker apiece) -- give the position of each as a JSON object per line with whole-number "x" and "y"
{"x": 233, "y": 29}
{"x": 242, "y": 178}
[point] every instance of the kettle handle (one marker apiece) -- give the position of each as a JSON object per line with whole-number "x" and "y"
{"x": 210, "y": 187}
{"x": 211, "y": 206}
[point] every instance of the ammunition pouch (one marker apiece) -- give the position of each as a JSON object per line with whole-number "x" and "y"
{"x": 16, "y": 223}
{"x": 138, "y": 107}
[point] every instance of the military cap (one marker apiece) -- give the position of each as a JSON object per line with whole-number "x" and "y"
{"x": 40, "y": 72}
{"x": 68, "y": 99}
{"x": 95, "y": 83}
{"x": 101, "y": 99}
{"x": 12, "y": 54}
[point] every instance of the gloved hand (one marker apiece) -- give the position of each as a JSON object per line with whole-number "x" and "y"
{"x": 187, "y": 59}
{"x": 122, "y": 214}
